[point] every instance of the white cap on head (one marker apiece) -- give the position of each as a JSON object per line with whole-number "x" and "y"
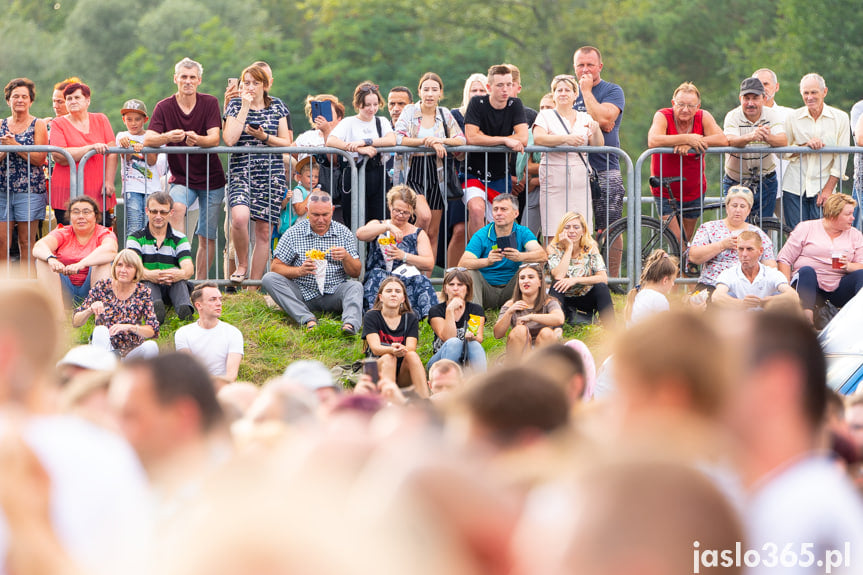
{"x": 310, "y": 374}
{"x": 90, "y": 357}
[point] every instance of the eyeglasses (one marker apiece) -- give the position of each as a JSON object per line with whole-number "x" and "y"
{"x": 159, "y": 212}
{"x": 686, "y": 106}
{"x": 82, "y": 212}
{"x": 405, "y": 213}
{"x": 455, "y": 269}
{"x": 322, "y": 199}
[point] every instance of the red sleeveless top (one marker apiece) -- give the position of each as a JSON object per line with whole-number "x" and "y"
{"x": 690, "y": 166}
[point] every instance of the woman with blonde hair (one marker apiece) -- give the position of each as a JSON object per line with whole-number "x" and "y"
{"x": 564, "y": 178}
{"x": 656, "y": 282}
{"x": 580, "y": 277}
{"x": 123, "y": 308}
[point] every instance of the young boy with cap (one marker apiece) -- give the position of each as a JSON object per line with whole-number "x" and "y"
{"x": 141, "y": 175}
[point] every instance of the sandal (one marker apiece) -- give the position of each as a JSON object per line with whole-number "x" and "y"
{"x": 310, "y": 325}
{"x": 238, "y": 277}
{"x": 349, "y": 330}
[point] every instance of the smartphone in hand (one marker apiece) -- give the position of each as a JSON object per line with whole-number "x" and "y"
{"x": 370, "y": 368}
{"x": 322, "y": 108}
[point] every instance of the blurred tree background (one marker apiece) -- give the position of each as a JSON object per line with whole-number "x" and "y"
{"x": 125, "y": 50}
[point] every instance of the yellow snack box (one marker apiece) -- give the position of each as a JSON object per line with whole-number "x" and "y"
{"x": 473, "y": 323}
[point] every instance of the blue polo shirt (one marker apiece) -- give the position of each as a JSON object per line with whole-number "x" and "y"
{"x": 481, "y": 244}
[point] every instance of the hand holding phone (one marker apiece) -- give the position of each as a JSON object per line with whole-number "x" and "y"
{"x": 370, "y": 368}
{"x": 322, "y": 108}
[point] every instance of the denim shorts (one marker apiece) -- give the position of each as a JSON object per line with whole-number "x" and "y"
{"x": 665, "y": 207}
{"x": 210, "y": 206}
{"x": 22, "y": 207}
{"x": 75, "y": 294}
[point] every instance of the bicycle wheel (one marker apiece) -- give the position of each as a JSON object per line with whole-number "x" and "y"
{"x": 776, "y": 231}
{"x": 614, "y": 242}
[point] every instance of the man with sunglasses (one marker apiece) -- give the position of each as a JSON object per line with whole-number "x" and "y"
{"x": 494, "y": 254}
{"x": 167, "y": 257}
{"x": 292, "y": 281}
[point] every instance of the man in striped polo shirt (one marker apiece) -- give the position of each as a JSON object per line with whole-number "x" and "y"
{"x": 167, "y": 258}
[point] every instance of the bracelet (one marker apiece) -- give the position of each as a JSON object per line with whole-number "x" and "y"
{"x": 268, "y": 139}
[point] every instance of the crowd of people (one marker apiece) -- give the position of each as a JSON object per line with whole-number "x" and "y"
{"x": 701, "y": 432}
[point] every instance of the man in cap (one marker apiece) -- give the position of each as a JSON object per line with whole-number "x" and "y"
{"x": 752, "y": 124}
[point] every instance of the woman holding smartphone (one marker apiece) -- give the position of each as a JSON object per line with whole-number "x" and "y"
{"x": 257, "y": 181}
{"x": 391, "y": 333}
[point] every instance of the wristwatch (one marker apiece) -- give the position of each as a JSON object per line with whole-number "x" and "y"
{"x": 368, "y": 141}
{"x": 50, "y": 257}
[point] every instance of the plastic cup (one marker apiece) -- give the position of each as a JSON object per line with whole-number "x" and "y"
{"x": 836, "y": 257}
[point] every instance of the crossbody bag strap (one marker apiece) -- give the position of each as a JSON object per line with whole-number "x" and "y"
{"x": 443, "y": 121}
{"x": 565, "y": 127}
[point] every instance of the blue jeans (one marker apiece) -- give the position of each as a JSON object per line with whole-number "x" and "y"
{"x": 210, "y": 205}
{"x": 453, "y": 348}
{"x": 134, "y": 206}
{"x": 75, "y": 294}
{"x": 857, "y": 194}
{"x": 799, "y": 208}
{"x": 764, "y": 196}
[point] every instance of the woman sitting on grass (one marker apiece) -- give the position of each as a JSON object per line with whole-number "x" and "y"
{"x": 391, "y": 333}
{"x": 535, "y": 317}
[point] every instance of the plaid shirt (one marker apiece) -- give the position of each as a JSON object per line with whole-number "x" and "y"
{"x": 300, "y": 238}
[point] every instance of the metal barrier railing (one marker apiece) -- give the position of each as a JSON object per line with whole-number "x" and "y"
{"x": 8, "y": 191}
{"x": 659, "y": 236}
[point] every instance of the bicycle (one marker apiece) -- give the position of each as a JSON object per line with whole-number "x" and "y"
{"x": 655, "y": 233}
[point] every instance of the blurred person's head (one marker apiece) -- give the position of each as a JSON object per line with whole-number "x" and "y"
{"x": 236, "y": 398}
{"x": 85, "y": 358}
{"x": 854, "y": 419}
{"x": 86, "y": 396}
{"x": 671, "y": 364}
{"x": 397, "y": 100}
{"x": 166, "y": 404}
{"x": 315, "y": 377}
{"x": 563, "y": 365}
{"x": 512, "y": 407}
{"x": 645, "y": 517}
{"x": 445, "y": 375}
{"x": 29, "y": 343}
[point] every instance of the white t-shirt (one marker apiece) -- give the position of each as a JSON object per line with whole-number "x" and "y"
{"x": 211, "y": 346}
{"x": 766, "y": 283}
{"x": 647, "y": 302}
{"x": 101, "y": 503}
{"x": 810, "y": 503}
{"x": 352, "y": 129}
{"x": 138, "y": 176}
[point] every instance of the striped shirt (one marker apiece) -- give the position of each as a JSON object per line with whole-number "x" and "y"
{"x": 174, "y": 249}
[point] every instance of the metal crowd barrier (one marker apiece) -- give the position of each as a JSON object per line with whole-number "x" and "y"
{"x": 649, "y": 237}
{"x": 6, "y": 190}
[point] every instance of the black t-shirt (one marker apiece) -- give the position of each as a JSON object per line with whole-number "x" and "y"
{"x": 492, "y": 122}
{"x": 373, "y": 322}
{"x": 439, "y": 310}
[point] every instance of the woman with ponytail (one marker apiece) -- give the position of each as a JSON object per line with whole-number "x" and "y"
{"x": 650, "y": 295}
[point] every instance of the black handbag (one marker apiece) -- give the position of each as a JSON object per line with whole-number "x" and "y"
{"x": 454, "y": 191}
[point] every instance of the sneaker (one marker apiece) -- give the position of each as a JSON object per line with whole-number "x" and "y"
{"x": 159, "y": 308}
{"x": 185, "y": 312}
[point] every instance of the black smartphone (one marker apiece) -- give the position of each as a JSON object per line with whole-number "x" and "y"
{"x": 506, "y": 242}
{"x": 322, "y": 108}
{"x": 370, "y": 368}
{"x": 254, "y": 126}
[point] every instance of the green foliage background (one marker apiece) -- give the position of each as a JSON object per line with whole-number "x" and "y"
{"x": 126, "y": 50}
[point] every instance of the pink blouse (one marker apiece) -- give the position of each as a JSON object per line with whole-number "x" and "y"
{"x": 809, "y": 245}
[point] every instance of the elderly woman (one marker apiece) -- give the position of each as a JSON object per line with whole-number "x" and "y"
{"x": 123, "y": 310}
{"x": 580, "y": 279}
{"x": 826, "y": 255}
{"x": 72, "y": 258}
{"x": 534, "y": 316}
{"x": 22, "y": 180}
{"x": 399, "y": 248}
{"x": 360, "y": 135}
{"x": 257, "y": 181}
{"x": 427, "y": 125}
{"x": 715, "y": 243}
{"x": 79, "y": 132}
{"x": 564, "y": 178}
